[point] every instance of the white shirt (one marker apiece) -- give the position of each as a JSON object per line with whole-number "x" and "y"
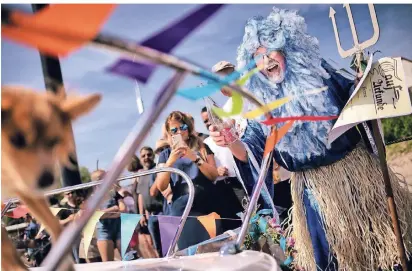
{"x": 223, "y": 157}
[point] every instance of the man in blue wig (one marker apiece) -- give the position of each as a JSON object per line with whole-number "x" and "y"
{"x": 340, "y": 217}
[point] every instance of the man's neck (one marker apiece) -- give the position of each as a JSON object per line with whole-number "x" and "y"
{"x": 72, "y": 204}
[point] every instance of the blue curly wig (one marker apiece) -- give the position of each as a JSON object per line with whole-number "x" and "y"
{"x": 285, "y": 31}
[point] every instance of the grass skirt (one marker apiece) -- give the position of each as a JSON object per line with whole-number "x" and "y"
{"x": 352, "y": 203}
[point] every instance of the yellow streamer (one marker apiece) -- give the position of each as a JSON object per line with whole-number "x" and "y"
{"x": 237, "y": 99}
{"x": 269, "y": 107}
{"x": 278, "y": 103}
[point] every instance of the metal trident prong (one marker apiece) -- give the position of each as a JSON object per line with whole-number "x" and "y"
{"x": 357, "y": 47}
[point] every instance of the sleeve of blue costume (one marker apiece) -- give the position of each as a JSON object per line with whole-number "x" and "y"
{"x": 254, "y": 140}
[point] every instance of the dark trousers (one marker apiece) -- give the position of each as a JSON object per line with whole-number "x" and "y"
{"x": 229, "y": 198}
{"x": 153, "y": 226}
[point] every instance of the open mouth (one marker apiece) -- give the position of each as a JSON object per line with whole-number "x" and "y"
{"x": 272, "y": 67}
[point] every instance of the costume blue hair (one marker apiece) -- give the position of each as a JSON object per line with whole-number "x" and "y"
{"x": 285, "y": 31}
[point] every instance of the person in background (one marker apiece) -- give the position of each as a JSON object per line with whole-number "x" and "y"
{"x": 70, "y": 205}
{"x": 161, "y": 145}
{"x": 30, "y": 232}
{"x": 93, "y": 254}
{"x": 197, "y": 160}
{"x": 149, "y": 206}
{"x": 229, "y": 183}
{"x": 108, "y": 228}
{"x": 134, "y": 167}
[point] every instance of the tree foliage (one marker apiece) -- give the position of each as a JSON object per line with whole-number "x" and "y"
{"x": 84, "y": 174}
{"x": 397, "y": 128}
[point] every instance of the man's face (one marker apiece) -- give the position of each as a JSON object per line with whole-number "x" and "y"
{"x": 147, "y": 158}
{"x": 272, "y": 63}
{"x": 71, "y": 196}
{"x": 206, "y": 121}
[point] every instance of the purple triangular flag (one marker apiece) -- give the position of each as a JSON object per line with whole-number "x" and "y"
{"x": 164, "y": 41}
{"x": 168, "y": 227}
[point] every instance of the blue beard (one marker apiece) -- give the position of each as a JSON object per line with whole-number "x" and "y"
{"x": 306, "y": 138}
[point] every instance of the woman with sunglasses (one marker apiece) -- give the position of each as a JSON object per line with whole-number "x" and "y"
{"x": 197, "y": 161}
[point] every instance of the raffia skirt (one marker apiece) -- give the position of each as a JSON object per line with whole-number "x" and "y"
{"x": 351, "y": 201}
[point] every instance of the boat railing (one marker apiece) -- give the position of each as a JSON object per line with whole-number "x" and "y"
{"x": 188, "y": 207}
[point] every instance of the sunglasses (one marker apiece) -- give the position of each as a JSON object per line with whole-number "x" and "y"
{"x": 259, "y": 57}
{"x": 182, "y": 128}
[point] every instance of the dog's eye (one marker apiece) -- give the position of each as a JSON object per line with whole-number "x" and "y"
{"x": 18, "y": 140}
{"x": 51, "y": 143}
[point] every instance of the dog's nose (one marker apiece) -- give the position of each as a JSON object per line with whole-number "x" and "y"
{"x": 46, "y": 179}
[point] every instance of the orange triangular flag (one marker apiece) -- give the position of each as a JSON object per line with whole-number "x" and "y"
{"x": 276, "y": 136}
{"x": 60, "y": 28}
{"x": 208, "y": 221}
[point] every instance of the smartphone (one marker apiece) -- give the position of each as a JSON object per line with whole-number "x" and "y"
{"x": 177, "y": 140}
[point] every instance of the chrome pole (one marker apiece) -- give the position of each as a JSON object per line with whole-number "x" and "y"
{"x": 253, "y": 201}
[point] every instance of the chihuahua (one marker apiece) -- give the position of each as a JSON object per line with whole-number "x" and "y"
{"x": 36, "y": 136}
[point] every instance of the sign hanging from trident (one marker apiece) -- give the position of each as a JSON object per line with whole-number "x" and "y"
{"x": 357, "y": 50}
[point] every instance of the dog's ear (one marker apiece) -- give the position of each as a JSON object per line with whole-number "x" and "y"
{"x": 74, "y": 106}
{"x": 7, "y": 98}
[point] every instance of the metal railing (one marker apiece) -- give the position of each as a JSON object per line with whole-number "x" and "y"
{"x": 139, "y": 174}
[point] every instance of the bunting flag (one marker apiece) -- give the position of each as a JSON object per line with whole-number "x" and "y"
{"x": 58, "y": 29}
{"x": 128, "y": 226}
{"x": 54, "y": 211}
{"x": 164, "y": 41}
{"x": 88, "y": 230}
{"x": 209, "y": 222}
{"x": 168, "y": 226}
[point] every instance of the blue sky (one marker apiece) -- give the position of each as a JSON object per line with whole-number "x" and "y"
{"x": 100, "y": 134}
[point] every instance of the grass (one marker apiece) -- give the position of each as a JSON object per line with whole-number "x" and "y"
{"x": 397, "y": 149}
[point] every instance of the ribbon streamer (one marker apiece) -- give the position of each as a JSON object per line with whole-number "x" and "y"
{"x": 276, "y": 136}
{"x": 237, "y": 99}
{"x": 58, "y": 29}
{"x": 303, "y": 118}
{"x": 164, "y": 41}
{"x": 278, "y": 103}
{"x": 195, "y": 93}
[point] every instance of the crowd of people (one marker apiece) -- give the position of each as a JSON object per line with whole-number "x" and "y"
{"x": 220, "y": 187}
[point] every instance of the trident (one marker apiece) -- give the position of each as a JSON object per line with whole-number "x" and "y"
{"x": 358, "y": 50}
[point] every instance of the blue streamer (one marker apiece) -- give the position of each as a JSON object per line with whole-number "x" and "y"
{"x": 195, "y": 93}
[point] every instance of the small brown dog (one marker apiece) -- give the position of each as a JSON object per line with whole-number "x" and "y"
{"x": 36, "y": 135}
